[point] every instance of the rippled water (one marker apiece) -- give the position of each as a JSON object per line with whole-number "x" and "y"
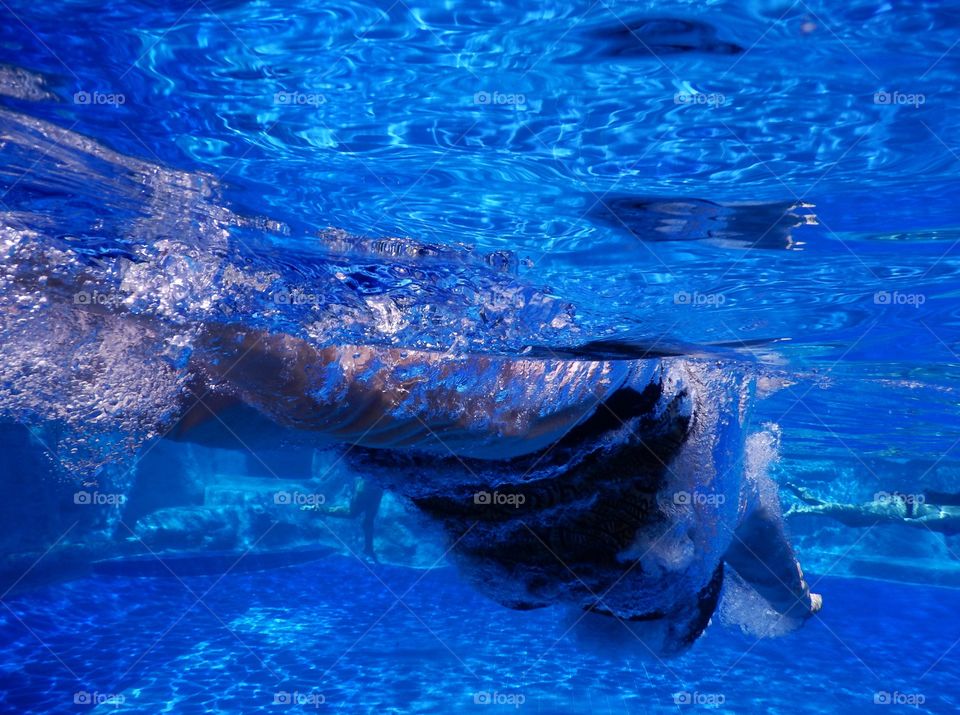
{"x": 773, "y": 182}
{"x": 383, "y": 133}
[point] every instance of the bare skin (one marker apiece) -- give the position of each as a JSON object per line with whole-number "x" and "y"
{"x": 392, "y": 399}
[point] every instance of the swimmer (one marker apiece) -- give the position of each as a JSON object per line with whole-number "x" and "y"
{"x": 892, "y": 508}
{"x": 365, "y": 503}
{"x": 594, "y": 451}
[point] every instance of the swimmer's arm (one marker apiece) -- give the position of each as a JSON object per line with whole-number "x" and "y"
{"x": 804, "y": 495}
{"x": 853, "y": 515}
{"x": 360, "y": 395}
{"x": 762, "y": 556}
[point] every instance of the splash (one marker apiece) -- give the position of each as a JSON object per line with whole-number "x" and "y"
{"x": 106, "y": 285}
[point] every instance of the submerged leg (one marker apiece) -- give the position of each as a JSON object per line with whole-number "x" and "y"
{"x": 348, "y": 512}
{"x": 369, "y": 496}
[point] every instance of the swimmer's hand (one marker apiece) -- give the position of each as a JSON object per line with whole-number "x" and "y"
{"x": 816, "y": 603}
{"x": 816, "y": 600}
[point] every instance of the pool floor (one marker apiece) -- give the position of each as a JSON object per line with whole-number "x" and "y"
{"x": 335, "y": 635}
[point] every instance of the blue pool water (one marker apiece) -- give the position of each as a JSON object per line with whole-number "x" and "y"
{"x": 763, "y": 192}
{"x": 391, "y": 640}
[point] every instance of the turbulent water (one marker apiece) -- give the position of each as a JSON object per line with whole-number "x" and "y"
{"x": 105, "y": 341}
{"x": 98, "y": 329}
{"x": 641, "y": 272}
